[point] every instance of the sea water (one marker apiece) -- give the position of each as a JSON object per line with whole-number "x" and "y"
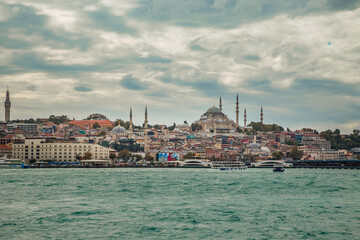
{"x": 179, "y": 204}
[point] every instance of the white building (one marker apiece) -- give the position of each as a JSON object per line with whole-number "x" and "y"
{"x": 26, "y": 127}
{"x": 42, "y": 149}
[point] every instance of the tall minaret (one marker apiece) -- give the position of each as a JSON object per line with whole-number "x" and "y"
{"x": 7, "y": 105}
{"x": 220, "y": 105}
{"x": 237, "y": 110}
{"x": 262, "y": 115}
{"x": 145, "y": 132}
{"x": 131, "y": 122}
{"x": 245, "y": 117}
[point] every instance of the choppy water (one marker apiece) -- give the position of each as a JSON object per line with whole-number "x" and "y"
{"x": 179, "y": 204}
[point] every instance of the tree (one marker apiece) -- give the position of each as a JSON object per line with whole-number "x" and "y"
{"x": 238, "y": 130}
{"x": 58, "y": 119}
{"x": 295, "y": 153}
{"x": 96, "y": 116}
{"x": 112, "y": 157}
{"x": 157, "y": 126}
{"x": 137, "y": 157}
{"x": 185, "y": 122}
{"x": 122, "y": 123}
{"x": 277, "y": 155}
{"x": 291, "y": 142}
{"x": 195, "y": 127}
{"x": 96, "y": 125}
{"x": 337, "y": 131}
{"x": 189, "y": 155}
{"x": 149, "y": 158}
{"x": 124, "y": 155}
{"x": 87, "y": 155}
{"x": 260, "y": 127}
{"x": 78, "y": 157}
{"x": 356, "y": 132}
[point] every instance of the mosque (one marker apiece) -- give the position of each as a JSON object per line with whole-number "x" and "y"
{"x": 214, "y": 120}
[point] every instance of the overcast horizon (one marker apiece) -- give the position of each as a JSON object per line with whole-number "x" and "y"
{"x": 298, "y": 59}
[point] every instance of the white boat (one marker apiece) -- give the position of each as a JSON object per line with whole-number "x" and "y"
{"x": 270, "y": 164}
{"x": 224, "y": 166}
{"x": 11, "y": 163}
{"x": 194, "y": 163}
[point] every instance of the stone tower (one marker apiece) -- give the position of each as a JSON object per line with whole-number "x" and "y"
{"x": 7, "y": 105}
{"x": 220, "y": 105}
{"x": 245, "y": 117}
{"x": 146, "y": 132}
{"x": 131, "y": 121}
{"x": 237, "y": 110}
{"x": 262, "y": 115}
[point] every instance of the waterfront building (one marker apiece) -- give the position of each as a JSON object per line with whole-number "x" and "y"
{"x": 57, "y": 150}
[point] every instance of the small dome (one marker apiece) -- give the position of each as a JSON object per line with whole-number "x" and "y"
{"x": 118, "y": 130}
{"x": 265, "y": 149}
{"x": 254, "y": 145}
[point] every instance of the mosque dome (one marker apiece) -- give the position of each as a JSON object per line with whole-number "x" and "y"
{"x": 213, "y": 110}
{"x": 254, "y": 146}
{"x": 118, "y": 130}
{"x": 265, "y": 150}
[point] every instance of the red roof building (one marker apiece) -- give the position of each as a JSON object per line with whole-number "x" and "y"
{"x": 88, "y": 124}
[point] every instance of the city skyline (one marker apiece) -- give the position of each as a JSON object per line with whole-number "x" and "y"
{"x": 298, "y": 60}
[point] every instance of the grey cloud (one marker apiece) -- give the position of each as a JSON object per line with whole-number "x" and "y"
{"x": 229, "y": 13}
{"x": 129, "y": 82}
{"x": 31, "y": 88}
{"x": 104, "y": 20}
{"x": 83, "y": 88}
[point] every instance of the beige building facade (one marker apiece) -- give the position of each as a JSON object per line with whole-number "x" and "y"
{"x": 40, "y": 149}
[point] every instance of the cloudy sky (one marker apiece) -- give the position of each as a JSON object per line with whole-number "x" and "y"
{"x": 299, "y": 59}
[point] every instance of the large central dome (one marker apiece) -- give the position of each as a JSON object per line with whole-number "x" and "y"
{"x": 214, "y": 110}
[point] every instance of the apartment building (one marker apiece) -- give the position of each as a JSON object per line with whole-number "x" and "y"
{"x": 57, "y": 151}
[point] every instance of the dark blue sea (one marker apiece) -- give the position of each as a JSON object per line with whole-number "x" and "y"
{"x": 179, "y": 204}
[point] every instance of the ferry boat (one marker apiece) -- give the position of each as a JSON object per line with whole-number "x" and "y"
{"x": 278, "y": 168}
{"x": 223, "y": 166}
{"x": 270, "y": 164}
{"x": 194, "y": 163}
{"x": 12, "y": 163}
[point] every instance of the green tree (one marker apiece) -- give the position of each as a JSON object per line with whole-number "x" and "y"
{"x": 137, "y": 157}
{"x": 277, "y": 155}
{"x": 96, "y": 116}
{"x": 238, "y": 130}
{"x": 58, "y": 119}
{"x": 87, "y": 155}
{"x": 291, "y": 142}
{"x": 295, "y": 153}
{"x": 356, "y": 132}
{"x": 112, "y": 157}
{"x": 189, "y": 155}
{"x": 78, "y": 157}
{"x": 149, "y": 158}
{"x": 124, "y": 155}
{"x": 260, "y": 127}
{"x": 195, "y": 127}
{"x": 96, "y": 125}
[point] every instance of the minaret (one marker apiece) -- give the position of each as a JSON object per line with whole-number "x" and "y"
{"x": 220, "y": 105}
{"x": 237, "y": 110}
{"x": 245, "y": 117}
{"x": 131, "y": 122}
{"x": 145, "y": 132}
{"x": 262, "y": 115}
{"x": 7, "y": 105}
